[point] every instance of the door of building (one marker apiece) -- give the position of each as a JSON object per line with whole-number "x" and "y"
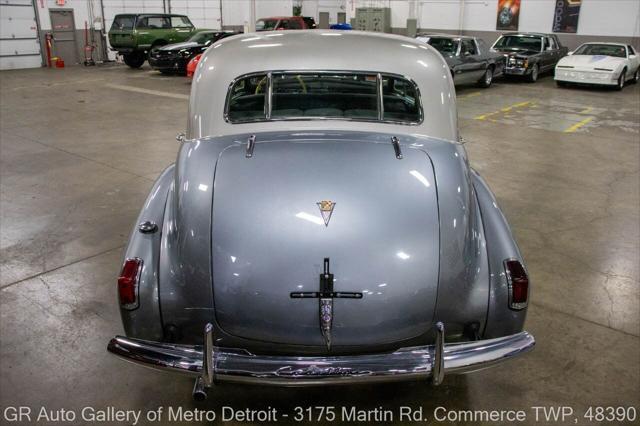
{"x": 64, "y": 35}
{"x": 19, "y": 44}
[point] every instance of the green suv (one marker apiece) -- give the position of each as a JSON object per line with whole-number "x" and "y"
{"x": 134, "y": 35}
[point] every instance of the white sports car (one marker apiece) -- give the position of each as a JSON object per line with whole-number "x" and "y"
{"x": 610, "y": 64}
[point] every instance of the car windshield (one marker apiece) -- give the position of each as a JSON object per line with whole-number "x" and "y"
{"x": 353, "y": 96}
{"x": 444, "y": 45}
{"x": 533, "y": 43}
{"x": 202, "y": 38}
{"x": 601, "y": 49}
{"x": 266, "y": 24}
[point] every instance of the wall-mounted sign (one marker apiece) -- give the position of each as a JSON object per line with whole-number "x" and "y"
{"x": 565, "y": 16}
{"x": 508, "y": 15}
{"x": 60, "y": 2}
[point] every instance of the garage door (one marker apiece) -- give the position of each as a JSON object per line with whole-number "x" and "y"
{"x": 19, "y": 44}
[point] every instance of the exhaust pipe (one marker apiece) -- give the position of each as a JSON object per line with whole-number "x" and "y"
{"x": 199, "y": 390}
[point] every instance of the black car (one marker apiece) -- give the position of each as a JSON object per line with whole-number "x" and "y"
{"x": 173, "y": 58}
{"x": 529, "y": 54}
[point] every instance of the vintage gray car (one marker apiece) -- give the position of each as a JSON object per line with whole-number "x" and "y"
{"x": 469, "y": 58}
{"x": 321, "y": 224}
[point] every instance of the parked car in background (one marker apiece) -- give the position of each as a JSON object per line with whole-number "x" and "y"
{"x": 607, "y": 64}
{"x": 192, "y": 65}
{"x": 529, "y": 54}
{"x": 469, "y": 58}
{"x": 341, "y": 26}
{"x": 293, "y": 150}
{"x": 135, "y": 35}
{"x": 276, "y": 23}
{"x": 173, "y": 58}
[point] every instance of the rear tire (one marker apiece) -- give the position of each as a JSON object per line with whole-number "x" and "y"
{"x": 134, "y": 60}
{"x": 487, "y": 78}
{"x": 533, "y": 77}
{"x": 636, "y": 76}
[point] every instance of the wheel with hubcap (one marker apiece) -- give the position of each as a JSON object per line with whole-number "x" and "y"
{"x": 621, "y": 80}
{"x": 487, "y": 78}
{"x": 134, "y": 60}
{"x": 533, "y": 77}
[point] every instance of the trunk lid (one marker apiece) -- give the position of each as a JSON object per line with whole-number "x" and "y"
{"x": 269, "y": 240}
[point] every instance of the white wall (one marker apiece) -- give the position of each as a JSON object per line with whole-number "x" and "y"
{"x": 313, "y": 8}
{"x": 597, "y": 17}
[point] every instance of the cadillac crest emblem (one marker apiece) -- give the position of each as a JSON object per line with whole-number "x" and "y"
{"x": 326, "y": 210}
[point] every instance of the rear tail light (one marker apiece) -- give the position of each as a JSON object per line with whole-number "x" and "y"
{"x": 128, "y": 283}
{"x": 518, "y": 282}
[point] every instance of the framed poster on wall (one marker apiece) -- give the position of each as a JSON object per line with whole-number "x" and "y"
{"x": 565, "y": 16}
{"x": 508, "y": 15}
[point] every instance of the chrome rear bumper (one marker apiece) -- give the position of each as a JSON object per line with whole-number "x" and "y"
{"x": 419, "y": 362}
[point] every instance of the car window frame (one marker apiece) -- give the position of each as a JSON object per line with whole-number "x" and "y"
{"x": 268, "y": 102}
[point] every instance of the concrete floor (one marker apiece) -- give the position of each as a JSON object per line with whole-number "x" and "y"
{"x": 80, "y": 149}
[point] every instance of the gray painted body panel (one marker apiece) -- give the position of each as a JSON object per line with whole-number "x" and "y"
{"x": 269, "y": 240}
{"x": 145, "y": 321}
{"x": 501, "y": 245}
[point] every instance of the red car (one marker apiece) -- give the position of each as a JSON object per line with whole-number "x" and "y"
{"x": 276, "y": 23}
{"x": 193, "y": 63}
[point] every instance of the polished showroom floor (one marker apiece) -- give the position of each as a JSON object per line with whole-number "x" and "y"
{"x": 80, "y": 148}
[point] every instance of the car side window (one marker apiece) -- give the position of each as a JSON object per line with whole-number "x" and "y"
{"x": 295, "y": 25}
{"x": 154, "y": 22}
{"x": 552, "y": 42}
{"x": 247, "y": 98}
{"x": 631, "y": 51}
{"x": 283, "y": 25}
{"x": 180, "y": 22}
{"x": 469, "y": 47}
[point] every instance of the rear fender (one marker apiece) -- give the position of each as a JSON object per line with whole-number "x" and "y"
{"x": 145, "y": 321}
{"x": 501, "y": 321}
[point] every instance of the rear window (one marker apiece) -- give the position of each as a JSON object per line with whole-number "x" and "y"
{"x": 323, "y": 95}
{"x": 123, "y": 22}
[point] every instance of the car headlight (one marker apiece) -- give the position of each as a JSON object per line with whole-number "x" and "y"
{"x": 184, "y": 53}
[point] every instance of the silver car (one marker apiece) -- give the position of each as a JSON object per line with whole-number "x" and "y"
{"x": 321, "y": 224}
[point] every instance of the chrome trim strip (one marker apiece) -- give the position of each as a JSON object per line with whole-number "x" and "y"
{"x": 268, "y": 104}
{"x": 404, "y": 364}
{"x": 380, "y": 97}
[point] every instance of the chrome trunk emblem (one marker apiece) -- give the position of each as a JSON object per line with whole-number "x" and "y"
{"x": 326, "y": 296}
{"x": 326, "y": 319}
{"x": 326, "y": 210}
